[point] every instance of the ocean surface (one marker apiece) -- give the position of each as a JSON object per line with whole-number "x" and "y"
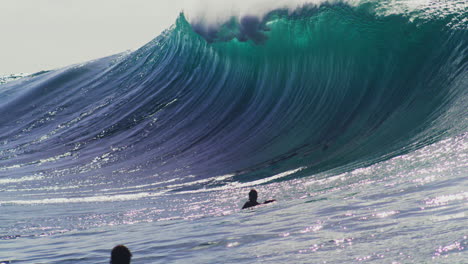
{"x": 351, "y": 114}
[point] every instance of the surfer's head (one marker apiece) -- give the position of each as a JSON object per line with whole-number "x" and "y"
{"x": 120, "y": 255}
{"x": 253, "y": 195}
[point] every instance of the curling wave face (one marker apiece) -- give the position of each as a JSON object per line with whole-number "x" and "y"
{"x": 327, "y": 87}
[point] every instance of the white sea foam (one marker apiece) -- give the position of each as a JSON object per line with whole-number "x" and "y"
{"x": 22, "y": 179}
{"x": 215, "y": 13}
{"x": 12, "y": 77}
{"x": 88, "y": 199}
{"x": 238, "y": 184}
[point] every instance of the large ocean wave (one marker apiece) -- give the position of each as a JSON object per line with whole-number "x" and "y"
{"x": 329, "y": 87}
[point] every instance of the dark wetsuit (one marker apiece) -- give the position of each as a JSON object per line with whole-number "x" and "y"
{"x": 250, "y": 204}
{"x": 253, "y": 200}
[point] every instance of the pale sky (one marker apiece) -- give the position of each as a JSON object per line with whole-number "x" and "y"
{"x": 46, "y": 34}
{"x": 40, "y": 35}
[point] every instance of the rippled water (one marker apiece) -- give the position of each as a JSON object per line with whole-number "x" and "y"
{"x": 410, "y": 209}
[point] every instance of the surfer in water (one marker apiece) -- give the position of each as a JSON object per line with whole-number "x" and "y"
{"x": 120, "y": 255}
{"x": 253, "y": 195}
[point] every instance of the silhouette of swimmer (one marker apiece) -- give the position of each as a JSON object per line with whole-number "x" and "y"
{"x": 253, "y": 195}
{"x": 120, "y": 255}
